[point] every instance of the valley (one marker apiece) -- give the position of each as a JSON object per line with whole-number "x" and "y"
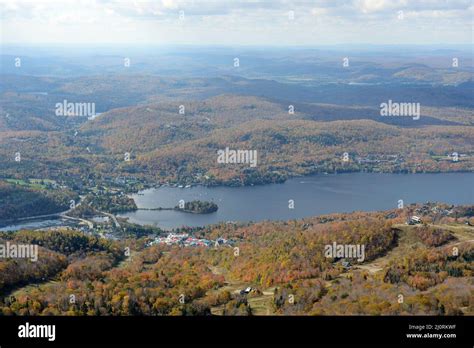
{"x": 211, "y": 190}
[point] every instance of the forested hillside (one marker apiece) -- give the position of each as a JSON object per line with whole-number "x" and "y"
{"x": 17, "y": 201}
{"x": 165, "y": 145}
{"x": 280, "y": 260}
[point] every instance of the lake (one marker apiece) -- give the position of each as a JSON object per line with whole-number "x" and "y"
{"x": 315, "y": 195}
{"x": 33, "y": 224}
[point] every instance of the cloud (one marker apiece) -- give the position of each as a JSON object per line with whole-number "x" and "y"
{"x": 211, "y": 21}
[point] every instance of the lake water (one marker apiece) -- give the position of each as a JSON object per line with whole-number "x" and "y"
{"x": 32, "y": 225}
{"x": 315, "y": 195}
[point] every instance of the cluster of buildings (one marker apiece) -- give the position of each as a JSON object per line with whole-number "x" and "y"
{"x": 430, "y": 208}
{"x": 184, "y": 239}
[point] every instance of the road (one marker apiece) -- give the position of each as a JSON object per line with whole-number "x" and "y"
{"x": 64, "y": 214}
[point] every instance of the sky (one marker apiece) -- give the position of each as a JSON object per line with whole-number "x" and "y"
{"x": 237, "y": 22}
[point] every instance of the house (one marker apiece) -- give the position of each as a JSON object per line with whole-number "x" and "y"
{"x": 414, "y": 220}
{"x": 220, "y": 241}
{"x": 246, "y": 291}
